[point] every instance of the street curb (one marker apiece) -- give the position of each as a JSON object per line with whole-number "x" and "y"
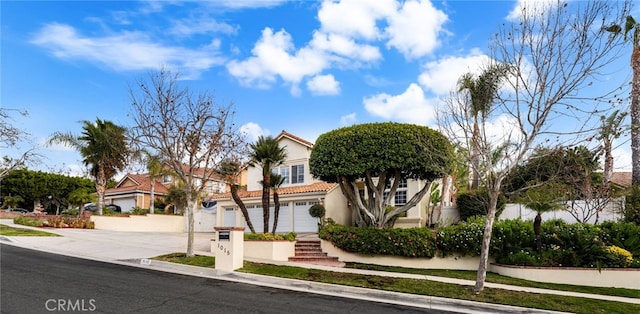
{"x": 381, "y": 296}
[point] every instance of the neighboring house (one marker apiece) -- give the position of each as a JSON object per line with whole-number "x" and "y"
{"x": 301, "y": 191}
{"x": 621, "y": 180}
{"x": 134, "y": 190}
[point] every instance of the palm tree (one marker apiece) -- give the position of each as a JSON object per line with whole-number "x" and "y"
{"x": 267, "y": 154}
{"x": 481, "y": 91}
{"x": 543, "y": 198}
{"x": 103, "y": 147}
{"x": 80, "y": 197}
{"x": 629, "y": 26}
{"x": 276, "y": 181}
{"x": 229, "y": 171}
{"x": 156, "y": 169}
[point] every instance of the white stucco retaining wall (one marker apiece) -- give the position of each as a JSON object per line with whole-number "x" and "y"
{"x": 271, "y": 250}
{"x": 453, "y": 262}
{"x": 610, "y": 277}
{"x": 140, "y": 223}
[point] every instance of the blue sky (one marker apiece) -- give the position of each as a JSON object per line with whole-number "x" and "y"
{"x": 306, "y": 67}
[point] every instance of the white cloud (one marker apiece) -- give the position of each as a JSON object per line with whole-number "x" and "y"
{"x": 345, "y": 46}
{"x": 349, "y": 37}
{"x": 273, "y": 57}
{"x": 441, "y": 76}
{"x": 410, "y": 106}
{"x": 415, "y": 17}
{"x": 530, "y": 5}
{"x": 124, "y": 51}
{"x": 245, "y": 4}
{"x": 354, "y": 18}
{"x": 202, "y": 25}
{"x": 252, "y": 131}
{"x": 323, "y": 85}
{"x": 348, "y": 119}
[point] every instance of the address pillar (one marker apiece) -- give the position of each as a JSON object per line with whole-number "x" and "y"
{"x": 228, "y": 248}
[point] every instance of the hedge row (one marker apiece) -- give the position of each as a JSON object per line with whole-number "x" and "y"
{"x": 609, "y": 244}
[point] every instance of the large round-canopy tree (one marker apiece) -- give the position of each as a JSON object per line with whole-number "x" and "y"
{"x": 370, "y": 159}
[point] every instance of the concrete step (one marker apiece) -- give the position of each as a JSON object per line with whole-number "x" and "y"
{"x": 319, "y": 254}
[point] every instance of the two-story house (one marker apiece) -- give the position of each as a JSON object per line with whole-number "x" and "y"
{"x": 298, "y": 192}
{"x": 301, "y": 191}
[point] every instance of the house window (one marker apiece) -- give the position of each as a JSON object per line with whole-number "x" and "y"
{"x": 297, "y": 174}
{"x": 400, "y": 197}
{"x": 166, "y": 179}
{"x": 284, "y": 173}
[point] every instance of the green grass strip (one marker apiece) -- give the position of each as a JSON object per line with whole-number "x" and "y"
{"x": 23, "y": 232}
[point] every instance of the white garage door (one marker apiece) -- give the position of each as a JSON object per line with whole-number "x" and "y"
{"x": 256, "y": 215}
{"x": 125, "y": 203}
{"x": 229, "y": 217}
{"x": 284, "y": 219}
{"x": 302, "y": 221}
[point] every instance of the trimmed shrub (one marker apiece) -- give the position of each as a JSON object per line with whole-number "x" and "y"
{"x": 317, "y": 211}
{"x": 291, "y": 236}
{"x": 411, "y": 242}
{"x": 477, "y": 204}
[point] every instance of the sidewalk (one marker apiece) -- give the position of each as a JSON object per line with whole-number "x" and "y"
{"x": 135, "y": 249}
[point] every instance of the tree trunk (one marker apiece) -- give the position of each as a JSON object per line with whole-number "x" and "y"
{"x": 608, "y": 168}
{"x": 190, "y": 209}
{"x": 152, "y": 203}
{"x": 276, "y": 212}
{"x": 243, "y": 208}
{"x": 537, "y": 225}
{"x": 101, "y": 186}
{"x": 475, "y": 158}
{"x": 266, "y": 183}
{"x": 486, "y": 241}
{"x": 635, "y": 114}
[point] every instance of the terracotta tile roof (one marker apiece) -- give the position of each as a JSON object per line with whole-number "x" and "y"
{"x": 142, "y": 183}
{"x": 315, "y": 187}
{"x": 200, "y": 173}
{"x": 293, "y": 137}
{"x": 622, "y": 179}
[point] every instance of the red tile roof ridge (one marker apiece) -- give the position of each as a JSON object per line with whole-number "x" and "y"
{"x": 293, "y": 137}
{"x": 289, "y": 190}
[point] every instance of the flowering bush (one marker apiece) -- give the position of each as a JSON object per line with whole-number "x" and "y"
{"x": 464, "y": 238}
{"x": 618, "y": 257}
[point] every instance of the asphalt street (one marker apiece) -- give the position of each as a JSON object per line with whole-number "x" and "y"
{"x": 39, "y": 282}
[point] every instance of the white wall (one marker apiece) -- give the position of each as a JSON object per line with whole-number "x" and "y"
{"x": 613, "y": 212}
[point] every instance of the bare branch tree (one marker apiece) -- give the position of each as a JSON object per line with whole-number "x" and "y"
{"x": 11, "y": 138}
{"x": 554, "y": 51}
{"x": 191, "y": 132}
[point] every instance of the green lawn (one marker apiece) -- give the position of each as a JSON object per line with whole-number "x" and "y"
{"x": 495, "y": 278}
{"x": 21, "y": 232}
{"x": 433, "y": 288}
